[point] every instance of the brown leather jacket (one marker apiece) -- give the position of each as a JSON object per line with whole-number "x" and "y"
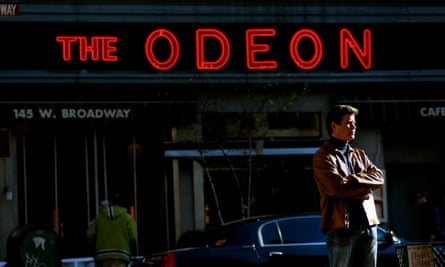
{"x": 336, "y": 186}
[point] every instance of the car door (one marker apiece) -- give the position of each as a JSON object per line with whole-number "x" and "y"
{"x": 293, "y": 241}
{"x": 229, "y": 245}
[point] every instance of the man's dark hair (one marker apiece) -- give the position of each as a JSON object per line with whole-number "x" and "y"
{"x": 336, "y": 115}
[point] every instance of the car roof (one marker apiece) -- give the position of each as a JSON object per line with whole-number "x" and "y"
{"x": 267, "y": 217}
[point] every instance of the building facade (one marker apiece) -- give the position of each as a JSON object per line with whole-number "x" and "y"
{"x": 201, "y": 113}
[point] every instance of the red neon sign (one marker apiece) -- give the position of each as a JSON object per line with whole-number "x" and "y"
{"x": 252, "y": 48}
{"x": 103, "y": 48}
{"x": 100, "y": 48}
{"x": 221, "y": 61}
{"x": 174, "y": 49}
{"x": 318, "y": 49}
{"x": 348, "y": 41}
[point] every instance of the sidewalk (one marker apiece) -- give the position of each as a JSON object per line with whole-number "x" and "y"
{"x": 75, "y": 262}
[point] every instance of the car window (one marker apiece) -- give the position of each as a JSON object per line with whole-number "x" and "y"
{"x": 269, "y": 234}
{"x": 301, "y": 230}
{"x": 238, "y": 234}
{"x": 220, "y": 237}
{"x": 380, "y": 235}
{"x": 293, "y": 230}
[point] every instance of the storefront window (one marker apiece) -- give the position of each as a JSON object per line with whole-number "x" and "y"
{"x": 261, "y": 125}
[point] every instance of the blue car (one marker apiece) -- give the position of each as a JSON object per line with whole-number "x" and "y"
{"x": 285, "y": 240}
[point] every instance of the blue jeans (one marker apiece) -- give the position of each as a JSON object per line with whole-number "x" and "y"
{"x": 356, "y": 246}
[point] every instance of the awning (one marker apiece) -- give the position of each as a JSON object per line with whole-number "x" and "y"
{"x": 396, "y": 109}
{"x": 195, "y": 153}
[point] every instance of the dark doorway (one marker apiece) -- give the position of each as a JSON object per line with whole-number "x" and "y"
{"x": 404, "y": 180}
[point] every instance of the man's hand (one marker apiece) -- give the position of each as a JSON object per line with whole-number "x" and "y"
{"x": 347, "y": 179}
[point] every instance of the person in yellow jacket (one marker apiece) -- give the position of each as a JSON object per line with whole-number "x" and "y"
{"x": 114, "y": 233}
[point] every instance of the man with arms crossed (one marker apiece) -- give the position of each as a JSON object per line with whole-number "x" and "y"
{"x": 346, "y": 178}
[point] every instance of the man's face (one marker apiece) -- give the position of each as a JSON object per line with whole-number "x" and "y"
{"x": 346, "y": 129}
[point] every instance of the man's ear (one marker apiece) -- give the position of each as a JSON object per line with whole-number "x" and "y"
{"x": 333, "y": 125}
